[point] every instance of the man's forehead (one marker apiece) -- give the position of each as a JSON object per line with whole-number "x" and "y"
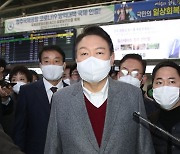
{"x": 132, "y": 64}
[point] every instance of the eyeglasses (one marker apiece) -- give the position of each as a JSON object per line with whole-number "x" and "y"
{"x": 75, "y": 73}
{"x": 133, "y": 73}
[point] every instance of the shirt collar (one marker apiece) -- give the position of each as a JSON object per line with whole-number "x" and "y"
{"x": 48, "y": 85}
{"x": 98, "y": 98}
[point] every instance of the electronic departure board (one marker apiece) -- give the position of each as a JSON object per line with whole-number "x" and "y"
{"x": 24, "y": 48}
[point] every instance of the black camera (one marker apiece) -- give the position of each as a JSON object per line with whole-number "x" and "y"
{"x": 6, "y": 84}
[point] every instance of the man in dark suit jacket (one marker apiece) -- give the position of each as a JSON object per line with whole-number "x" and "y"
{"x": 132, "y": 70}
{"x": 6, "y": 144}
{"x": 166, "y": 92}
{"x": 4, "y": 92}
{"x": 34, "y": 101}
{"x": 95, "y": 116}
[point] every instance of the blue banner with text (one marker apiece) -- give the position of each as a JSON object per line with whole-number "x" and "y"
{"x": 147, "y": 10}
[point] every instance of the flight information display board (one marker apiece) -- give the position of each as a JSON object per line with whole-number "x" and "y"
{"x": 24, "y": 48}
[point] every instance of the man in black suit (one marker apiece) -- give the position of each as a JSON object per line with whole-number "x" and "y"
{"x": 132, "y": 70}
{"x": 34, "y": 101}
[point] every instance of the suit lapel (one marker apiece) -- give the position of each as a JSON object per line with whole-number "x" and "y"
{"x": 81, "y": 113}
{"x": 42, "y": 95}
{"x": 64, "y": 84}
{"x": 111, "y": 112}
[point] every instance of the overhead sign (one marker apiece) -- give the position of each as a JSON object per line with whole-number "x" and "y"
{"x": 145, "y": 10}
{"x": 152, "y": 40}
{"x": 84, "y": 16}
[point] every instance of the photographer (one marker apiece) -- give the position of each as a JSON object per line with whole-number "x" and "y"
{"x": 5, "y": 91}
{"x": 5, "y": 88}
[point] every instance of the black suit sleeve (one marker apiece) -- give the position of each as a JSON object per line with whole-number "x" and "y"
{"x": 9, "y": 108}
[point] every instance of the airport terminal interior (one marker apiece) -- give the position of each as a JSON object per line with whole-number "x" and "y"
{"x": 60, "y": 93}
{"x": 10, "y": 9}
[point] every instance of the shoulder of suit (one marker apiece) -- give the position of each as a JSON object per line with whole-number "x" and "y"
{"x": 119, "y": 86}
{"x": 33, "y": 85}
{"x": 71, "y": 88}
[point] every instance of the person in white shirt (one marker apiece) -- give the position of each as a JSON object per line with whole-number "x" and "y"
{"x": 34, "y": 102}
{"x": 95, "y": 115}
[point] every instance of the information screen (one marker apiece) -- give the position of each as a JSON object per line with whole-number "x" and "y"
{"x": 152, "y": 40}
{"x": 24, "y": 48}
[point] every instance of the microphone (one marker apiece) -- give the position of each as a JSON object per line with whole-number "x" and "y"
{"x": 137, "y": 114}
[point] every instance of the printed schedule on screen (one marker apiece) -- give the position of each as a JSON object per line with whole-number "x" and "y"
{"x": 24, "y": 48}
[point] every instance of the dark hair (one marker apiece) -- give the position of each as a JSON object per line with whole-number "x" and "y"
{"x": 50, "y": 48}
{"x": 34, "y": 73}
{"x": 166, "y": 63}
{"x": 113, "y": 73}
{"x": 95, "y": 30}
{"x": 3, "y": 63}
{"x": 136, "y": 57}
{"x": 72, "y": 68}
{"x": 20, "y": 69}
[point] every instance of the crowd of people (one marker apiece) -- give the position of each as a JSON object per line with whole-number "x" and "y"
{"x": 86, "y": 107}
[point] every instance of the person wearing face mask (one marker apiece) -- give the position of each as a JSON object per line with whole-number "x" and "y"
{"x": 71, "y": 75}
{"x": 74, "y": 74}
{"x": 18, "y": 76}
{"x": 34, "y": 101}
{"x": 95, "y": 115}
{"x": 132, "y": 71}
{"x": 166, "y": 92}
{"x": 35, "y": 75}
{"x": 66, "y": 75}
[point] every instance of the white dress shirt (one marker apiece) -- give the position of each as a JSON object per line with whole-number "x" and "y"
{"x": 97, "y": 99}
{"x": 49, "y": 85}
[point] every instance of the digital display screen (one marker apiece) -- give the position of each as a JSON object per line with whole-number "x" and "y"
{"x": 24, "y": 48}
{"x": 151, "y": 40}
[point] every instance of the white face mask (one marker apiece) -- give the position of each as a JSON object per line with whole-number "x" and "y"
{"x": 93, "y": 69}
{"x": 17, "y": 86}
{"x": 131, "y": 80}
{"x": 166, "y": 96}
{"x": 52, "y": 72}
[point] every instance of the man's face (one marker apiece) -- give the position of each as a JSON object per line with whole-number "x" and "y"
{"x": 75, "y": 75}
{"x": 166, "y": 76}
{"x": 93, "y": 45}
{"x": 51, "y": 57}
{"x": 132, "y": 67}
{"x": 66, "y": 74}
